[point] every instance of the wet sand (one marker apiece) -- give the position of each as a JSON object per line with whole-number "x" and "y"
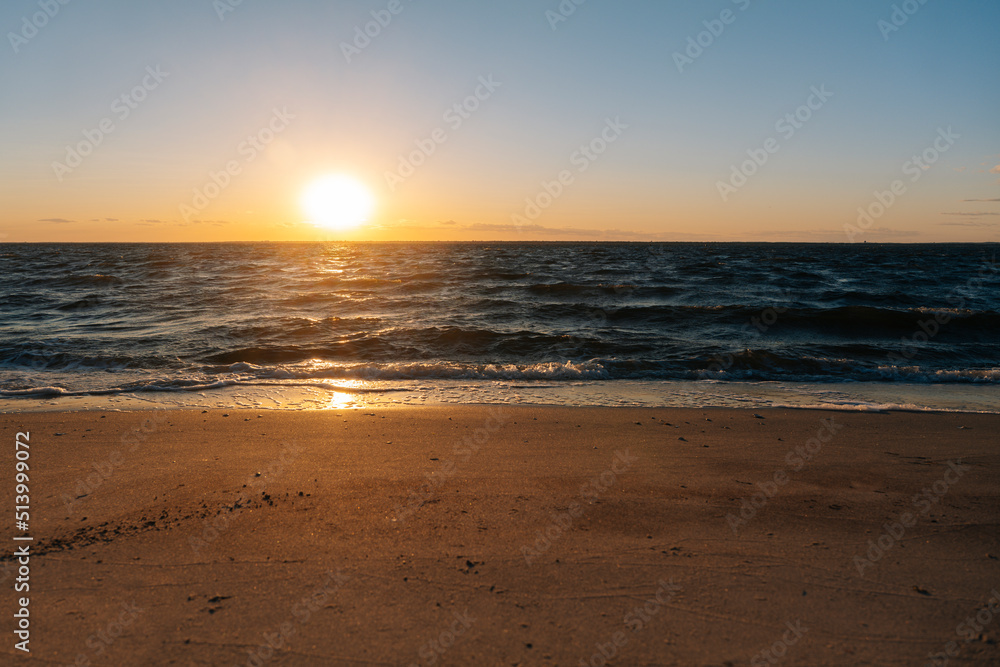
{"x": 508, "y": 536}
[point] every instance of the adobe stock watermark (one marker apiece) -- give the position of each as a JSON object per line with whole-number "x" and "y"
{"x": 254, "y": 487}
{"x": 923, "y": 502}
{"x": 928, "y": 329}
{"x": 101, "y": 640}
{"x": 301, "y": 612}
{"x": 223, "y": 7}
{"x": 248, "y": 149}
{"x": 103, "y": 470}
{"x": 462, "y": 451}
{"x": 455, "y": 116}
{"x": 760, "y": 323}
{"x": 915, "y": 168}
{"x": 714, "y": 28}
{"x": 795, "y": 460}
{"x": 561, "y": 522}
{"x": 582, "y": 159}
{"x": 779, "y": 649}
{"x": 31, "y": 25}
{"x": 968, "y": 630}
{"x": 562, "y": 13}
{"x": 635, "y": 620}
{"x": 364, "y": 34}
{"x": 571, "y": 344}
{"x": 433, "y": 649}
{"x": 899, "y": 17}
{"x": 786, "y": 127}
{"x": 122, "y": 107}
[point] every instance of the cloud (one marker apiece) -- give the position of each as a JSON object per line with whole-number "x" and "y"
{"x": 538, "y": 229}
{"x": 973, "y": 213}
{"x": 110, "y": 219}
{"x": 60, "y": 221}
{"x": 981, "y": 200}
{"x": 969, "y": 223}
{"x": 995, "y": 170}
{"x": 535, "y": 231}
{"x": 589, "y": 234}
{"x": 180, "y": 223}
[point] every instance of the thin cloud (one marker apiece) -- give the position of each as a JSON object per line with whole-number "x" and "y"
{"x": 557, "y": 233}
{"x": 538, "y": 229}
{"x": 574, "y": 233}
{"x": 968, "y": 223}
{"x": 981, "y": 200}
{"x": 58, "y": 221}
{"x": 973, "y": 213}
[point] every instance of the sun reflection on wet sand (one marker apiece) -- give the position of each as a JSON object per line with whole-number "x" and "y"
{"x": 354, "y": 398}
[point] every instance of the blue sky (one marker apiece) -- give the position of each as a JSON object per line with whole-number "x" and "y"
{"x": 559, "y": 83}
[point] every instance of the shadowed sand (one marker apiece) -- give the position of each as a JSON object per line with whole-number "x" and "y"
{"x": 508, "y": 536}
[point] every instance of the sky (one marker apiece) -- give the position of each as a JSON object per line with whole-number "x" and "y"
{"x": 652, "y": 120}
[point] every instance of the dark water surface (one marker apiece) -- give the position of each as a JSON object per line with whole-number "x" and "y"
{"x": 127, "y": 317}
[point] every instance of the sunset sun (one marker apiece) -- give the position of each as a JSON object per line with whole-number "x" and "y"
{"x": 337, "y": 202}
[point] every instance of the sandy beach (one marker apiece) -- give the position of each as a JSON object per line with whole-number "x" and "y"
{"x": 493, "y": 535}
{"x": 500, "y": 334}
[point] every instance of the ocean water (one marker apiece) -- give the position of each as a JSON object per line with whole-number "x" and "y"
{"x": 342, "y": 324}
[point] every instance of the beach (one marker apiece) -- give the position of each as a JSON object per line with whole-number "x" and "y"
{"x": 500, "y": 535}
{"x": 500, "y": 334}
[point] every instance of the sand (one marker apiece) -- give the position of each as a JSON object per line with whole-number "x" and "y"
{"x": 481, "y": 535}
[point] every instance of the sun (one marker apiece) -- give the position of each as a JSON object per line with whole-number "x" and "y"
{"x": 337, "y": 202}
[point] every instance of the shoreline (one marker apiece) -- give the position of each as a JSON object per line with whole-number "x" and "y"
{"x": 515, "y": 535}
{"x": 692, "y": 394}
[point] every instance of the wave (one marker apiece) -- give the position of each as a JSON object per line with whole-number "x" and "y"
{"x": 87, "y": 302}
{"x": 173, "y": 386}
{"x": 78, "y": 280}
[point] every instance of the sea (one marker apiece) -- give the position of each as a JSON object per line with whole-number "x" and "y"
{"x": 352, "y": 325}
